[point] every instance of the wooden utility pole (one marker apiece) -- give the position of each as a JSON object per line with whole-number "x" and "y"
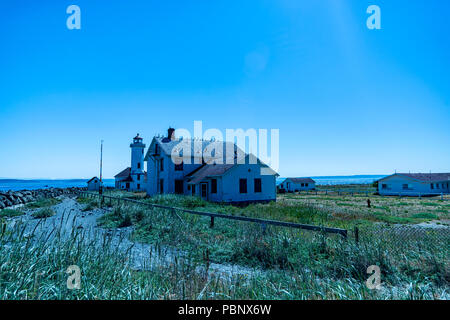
{"x": 101, "y": 164}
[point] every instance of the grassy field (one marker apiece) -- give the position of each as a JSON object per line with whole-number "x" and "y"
{"x": 355, "y": 210}
{"x": 285, "y": 251}
{"x": 283, "y": 263}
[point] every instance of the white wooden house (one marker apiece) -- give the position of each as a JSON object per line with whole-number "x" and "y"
{"x": 414, "y": 184}
{"x": 133, "y": 178}
{"x": 213, "y": 170}
{"x": 93, "y": 184}
{"x": 297, "y": 184}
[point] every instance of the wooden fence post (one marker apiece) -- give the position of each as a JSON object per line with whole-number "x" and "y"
{"x": 211, "y": 225}
{"x": 356, "y": 234}
{"x": 264, "y": 227}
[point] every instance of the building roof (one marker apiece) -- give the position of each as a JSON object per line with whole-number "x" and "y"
{"x": 211, "y": 169}
{"x": 424, "y": 177}
{"x": 217, "y": 149}
{"x": 208, "y": 170}
{"x": 93, "y": 179}
{"x": 137, "y": 137}
{"x": 127, "y": 179}
{"x": 124, "y": 173}
{"x": 301, "y": 180}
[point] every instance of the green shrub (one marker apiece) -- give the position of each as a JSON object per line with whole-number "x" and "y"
{"x": 8, "y": 213}
{"x": 91, "y": 205}
{"x": 43, "y": 213}
{"x": 42, "y": 203}
{"x": 425, "y": 215}
{"x": 125, "y": 221}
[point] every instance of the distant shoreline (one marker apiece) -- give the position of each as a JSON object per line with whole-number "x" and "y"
{"x": 34, "y": 184}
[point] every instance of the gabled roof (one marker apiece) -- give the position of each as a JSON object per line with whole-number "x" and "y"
{"x": 217, "y": 149}
{"x": 214, "y": 170}
{"x": 127, "y": 179}
{"x": 301, "y": 180}
{"x": 93, "y": 179}
{"x": 423, "y": 177}
{"x": 124, "y": 173}
{"x": 208, "y": 170}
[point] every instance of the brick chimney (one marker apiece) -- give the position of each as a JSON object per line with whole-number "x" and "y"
{"x": 171, "y": 133}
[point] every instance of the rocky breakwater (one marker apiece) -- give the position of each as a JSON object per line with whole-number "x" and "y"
{"x": 13, "y": 198}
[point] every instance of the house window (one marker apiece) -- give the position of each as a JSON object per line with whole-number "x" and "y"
{"x": 306, "y": 184}
{"x": 179, "y": 167}
{"x": 384, "y": 186}
{"x": 407, "y": 186}
{"x": 258, "y": 185}
{"x": 179, "y": 187}
{"x": 139, "y": 165}
{"x": 303, "y": 184}
{"x": 437, "y": 185}
{"x": 193, "y": 189}
{"x": 161, "y": 165}
{"x": 161, "y": 185}
{"x": 138, "y": 177}
{"x": 189, "y": 187}
{"x": 156, "y": 149}
{"x": 214, "y": 186}
{"x": 138, "y": 186}
{"x": 432, "y": 186}
{"x": 128, "y": 185}
{"x": 242, "y": 185}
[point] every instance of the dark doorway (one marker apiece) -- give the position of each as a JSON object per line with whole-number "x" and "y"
{"x": 204, "y": 191}
{"x": 179, "y": 187}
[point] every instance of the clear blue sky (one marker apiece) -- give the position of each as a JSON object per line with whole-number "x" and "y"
{"x": 347, "y": 100}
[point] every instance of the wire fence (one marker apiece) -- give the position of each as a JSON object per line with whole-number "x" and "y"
{"x": 394, "y": 235}
{"x": 401, "y": 235}
{"x": 445, "y": 196}
{"x": 263, "y": 222}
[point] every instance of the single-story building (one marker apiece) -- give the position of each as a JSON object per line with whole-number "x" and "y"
{"x": 296, "y": 184}
{"x": 93, "y": 184}
{"x": 126, "y": 180}
{"x": 414, "y": 184}
{"x": 233, "y": 183}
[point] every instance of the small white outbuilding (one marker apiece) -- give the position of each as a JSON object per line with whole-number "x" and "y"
{"x": 93, "y": 184}
{"x": 297, "y": 184}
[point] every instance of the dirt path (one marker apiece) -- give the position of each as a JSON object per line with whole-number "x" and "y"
{"x": 69, "y": 216}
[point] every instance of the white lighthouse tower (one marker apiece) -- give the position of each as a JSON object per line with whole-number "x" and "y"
{"x": 137, "y": 163}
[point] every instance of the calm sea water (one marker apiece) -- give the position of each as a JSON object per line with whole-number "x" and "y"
{"x": 12, "y": 184}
